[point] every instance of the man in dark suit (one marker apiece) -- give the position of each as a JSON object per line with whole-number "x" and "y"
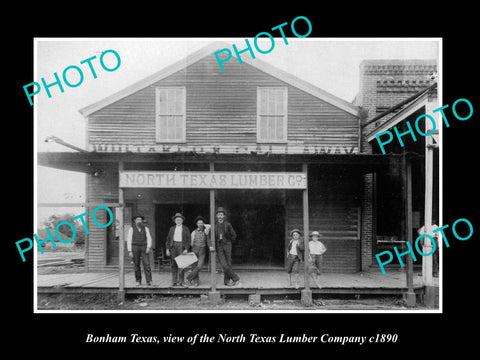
{"x": 139, "y": 243}
{"x": 224, "y": 236}
{"x": 178, "y": 243}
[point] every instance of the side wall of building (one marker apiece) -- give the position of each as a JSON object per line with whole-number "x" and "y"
{"x": 383, "y": 84}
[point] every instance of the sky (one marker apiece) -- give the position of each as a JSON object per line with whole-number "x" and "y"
{"x": 330, "y": 64}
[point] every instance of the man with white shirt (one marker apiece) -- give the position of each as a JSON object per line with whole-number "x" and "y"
{"x": 178, "y": 243}
{"x": 139, "y": 243}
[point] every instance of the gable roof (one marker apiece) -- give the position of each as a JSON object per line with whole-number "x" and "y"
{"x": 209, "y": 50}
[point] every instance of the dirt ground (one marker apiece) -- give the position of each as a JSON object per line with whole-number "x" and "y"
{"x": 185, "y": 303}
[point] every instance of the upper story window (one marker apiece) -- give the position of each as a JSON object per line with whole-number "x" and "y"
{"x": 271, "y": 114}
{"x": 170, "y": 121}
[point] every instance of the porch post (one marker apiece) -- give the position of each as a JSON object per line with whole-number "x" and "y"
{"x": 407, "y": 180}
{"x": 213, "y": 262}
{"x": 427, "y": 266}
{"x": 306, "y": 293}
{"x": 213, "y": 295}
{"x": 121, "y": 242}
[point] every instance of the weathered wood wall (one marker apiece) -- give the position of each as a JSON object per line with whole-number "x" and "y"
{"x": 103, "y": 188}
{"x": 333, "y": 204}
{"x": 222, "y": 109}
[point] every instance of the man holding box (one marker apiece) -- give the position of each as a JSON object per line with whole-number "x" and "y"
{"x": 178, "y": 243}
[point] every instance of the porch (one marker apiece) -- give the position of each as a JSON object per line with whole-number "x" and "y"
{"x": 263, "y": 282}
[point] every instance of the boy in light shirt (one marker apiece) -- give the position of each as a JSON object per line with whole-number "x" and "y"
{"x": 317, "y": 249}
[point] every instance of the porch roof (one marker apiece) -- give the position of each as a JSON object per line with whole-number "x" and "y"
{"x": 87, "y": 162}
{"x": 407, "y": 108}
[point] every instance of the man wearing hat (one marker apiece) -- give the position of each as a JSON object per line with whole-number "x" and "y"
{"x": 294, "y": 255}
{"x": 139, "y": 243}
{"x": 200, "y": 243}
{"x": 178, "y": 243}
{"x": 224, "y": 236}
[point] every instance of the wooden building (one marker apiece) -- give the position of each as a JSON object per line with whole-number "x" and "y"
{"x": 192, "y": 118}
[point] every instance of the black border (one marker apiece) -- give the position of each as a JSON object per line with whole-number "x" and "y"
{"x": 435, "y": 331}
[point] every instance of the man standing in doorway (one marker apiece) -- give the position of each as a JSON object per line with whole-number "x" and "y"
{"x": 224, "y": 236}
{"x": 139, "y": 243}
{"x": 178, "y": 243}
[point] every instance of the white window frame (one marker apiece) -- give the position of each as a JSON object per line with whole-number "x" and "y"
{"x": 157, "y": 115}
{"x": 285, "y": 114}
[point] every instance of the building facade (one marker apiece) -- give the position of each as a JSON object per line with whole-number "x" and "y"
{"x": 251, "y": 120}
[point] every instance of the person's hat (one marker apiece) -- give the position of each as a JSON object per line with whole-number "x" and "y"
{"x": 138, "y": 216}
{"x": 221, "y": 209}
{"x": 315, "y": 233}
{"x": 178, "y": 215}
{"x": 297, "y": 231}
{"x": 200, "y": 218}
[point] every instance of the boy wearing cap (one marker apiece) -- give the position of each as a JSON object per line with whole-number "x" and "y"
{"x": 178, "y": 243}
{"x": 139, "y": 243}
{"x": 224, "y": 236}
{"x": 200, "y": 241}
{"x": 316, "y": 256}
{"x": 294, "y": 255}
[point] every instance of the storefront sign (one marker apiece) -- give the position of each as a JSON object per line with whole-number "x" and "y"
{"x": 225, "y": 149}
{"x": 213, "y": 180}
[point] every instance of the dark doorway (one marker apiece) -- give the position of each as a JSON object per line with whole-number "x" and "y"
{"x": 261, "y": 234}
{"x": 260, "y": 228}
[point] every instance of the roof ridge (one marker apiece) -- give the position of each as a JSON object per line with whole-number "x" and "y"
{"x": 150, "y": 79}
{"x": 205, "y": 51}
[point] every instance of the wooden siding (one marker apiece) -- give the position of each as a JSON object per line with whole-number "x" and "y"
{"x": 333, "y": 206}
{"x": 222, "y": 109}
{"x": 102, "y": 188}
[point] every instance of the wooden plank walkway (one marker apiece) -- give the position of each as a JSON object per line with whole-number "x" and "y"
{"x": 253, "y": 282}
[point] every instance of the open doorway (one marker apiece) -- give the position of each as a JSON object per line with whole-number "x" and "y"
{"x": 260, "y": 235}
{"x": 258, "y": 217}
{"x": 260, "y": 228}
